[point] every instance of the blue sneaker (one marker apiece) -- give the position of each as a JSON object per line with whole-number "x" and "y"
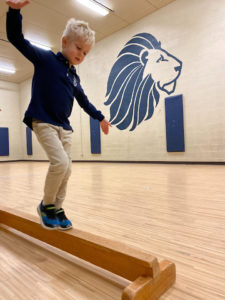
{"x": 47, "y": 216}
{"x": 64, "y": 223}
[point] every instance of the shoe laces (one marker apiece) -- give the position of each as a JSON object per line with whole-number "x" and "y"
{"x": 61, "y": 214}
{"x": 49, "y": 209}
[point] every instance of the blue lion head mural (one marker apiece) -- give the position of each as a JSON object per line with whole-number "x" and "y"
{"x": 142, "y": 69}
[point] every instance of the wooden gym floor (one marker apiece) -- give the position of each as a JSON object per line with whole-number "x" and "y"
{"x": 174, "y": 211}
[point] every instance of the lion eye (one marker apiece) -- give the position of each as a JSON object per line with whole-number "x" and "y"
{"x": 161, "y": 59}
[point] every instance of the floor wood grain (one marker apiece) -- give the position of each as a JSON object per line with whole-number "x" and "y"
{"x": 174, "y": 211}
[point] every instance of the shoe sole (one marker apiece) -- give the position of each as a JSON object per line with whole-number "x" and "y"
{"x": 63, "y": 229}
{"x": 42, "y": 223}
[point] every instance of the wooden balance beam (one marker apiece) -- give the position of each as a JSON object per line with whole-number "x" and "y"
{"x": 149, "y": 278}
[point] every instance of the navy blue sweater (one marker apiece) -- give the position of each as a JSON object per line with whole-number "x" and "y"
{"x": 54, "y": 83}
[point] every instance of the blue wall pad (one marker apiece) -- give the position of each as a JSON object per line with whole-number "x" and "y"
{"x": 174, "y": 124}
{"x": 29, "y": 141}
{"x": 4, "y": 141}
{"x": 95, "y": 136}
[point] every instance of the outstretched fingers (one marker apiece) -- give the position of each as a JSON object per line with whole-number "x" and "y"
{"x": 17, "y": 4}
{"x": 105, "y": 126}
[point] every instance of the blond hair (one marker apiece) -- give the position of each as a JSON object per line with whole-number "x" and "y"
{"x": 76, "y": 29}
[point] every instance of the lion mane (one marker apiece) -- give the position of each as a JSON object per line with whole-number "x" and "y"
{"x": 132, "y": 87}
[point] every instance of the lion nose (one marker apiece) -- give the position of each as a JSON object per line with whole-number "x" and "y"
{"x": 177, "y": 69}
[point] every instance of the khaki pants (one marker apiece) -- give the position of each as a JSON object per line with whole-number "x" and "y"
{"x": 57, "y": 144}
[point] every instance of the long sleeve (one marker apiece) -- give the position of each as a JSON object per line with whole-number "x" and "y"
{"x": 15, "y": 36}
{"x": 87, "y": 106}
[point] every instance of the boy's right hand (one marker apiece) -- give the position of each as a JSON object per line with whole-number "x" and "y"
{"x": 17, "y": 4}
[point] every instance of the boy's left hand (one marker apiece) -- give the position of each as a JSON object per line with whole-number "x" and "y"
{"x": 105, "y": 126}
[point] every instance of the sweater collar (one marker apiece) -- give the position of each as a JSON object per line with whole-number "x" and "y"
{"x": 61, "y": 57}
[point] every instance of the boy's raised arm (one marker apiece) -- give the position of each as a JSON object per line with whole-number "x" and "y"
{"x": 15, "y": 34}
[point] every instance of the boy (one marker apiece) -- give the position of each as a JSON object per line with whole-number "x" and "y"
{"x": 54, "y": 86}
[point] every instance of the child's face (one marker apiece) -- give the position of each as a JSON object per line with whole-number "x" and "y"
{"x": 75, "y": 51}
